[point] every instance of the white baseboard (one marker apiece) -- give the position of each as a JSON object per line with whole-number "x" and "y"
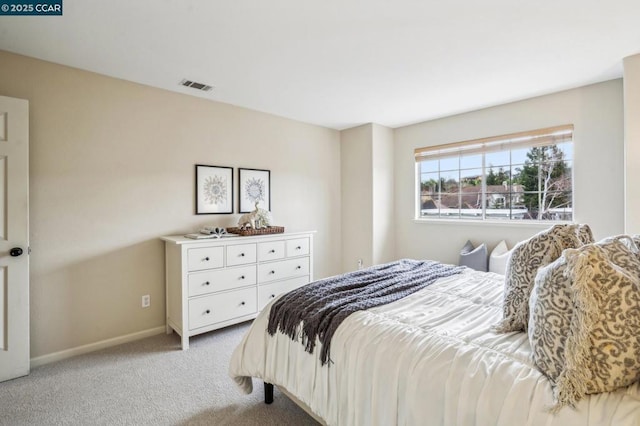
{"x": 79, "y": 350}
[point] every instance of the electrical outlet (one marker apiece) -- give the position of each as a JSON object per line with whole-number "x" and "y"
{"x": 146, "y": 301}
{"x": 360, "y": 265}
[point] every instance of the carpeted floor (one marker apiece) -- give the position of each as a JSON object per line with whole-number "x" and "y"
{"x": 148, "y": 382}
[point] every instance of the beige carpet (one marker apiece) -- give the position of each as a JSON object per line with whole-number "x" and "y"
{"x": 148, "y": 382}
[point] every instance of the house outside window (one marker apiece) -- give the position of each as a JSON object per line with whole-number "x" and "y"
{"x": 518, "y": 177}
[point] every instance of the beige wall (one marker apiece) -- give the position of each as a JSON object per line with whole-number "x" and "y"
{"x": 632, "y": 143}
{"x": 382, "y": 194}
{"x": 596, "y": 111}
{"x": 112, "y": 169}
{"x": 357, "y": 198}
{"x": 367, "y": 196}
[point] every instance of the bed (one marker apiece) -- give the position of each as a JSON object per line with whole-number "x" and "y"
{"x": 429, "y": 358}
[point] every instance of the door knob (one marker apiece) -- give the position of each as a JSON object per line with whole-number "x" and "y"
{"x": 15, "y": 252}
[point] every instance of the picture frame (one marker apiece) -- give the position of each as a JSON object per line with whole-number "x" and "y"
{"x": 214, "y": 189}
{"x": 254, "y": 185}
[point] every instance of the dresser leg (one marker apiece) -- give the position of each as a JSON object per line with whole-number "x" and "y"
{"x": 185, "y": 342}
{"x": 268, "y": 393}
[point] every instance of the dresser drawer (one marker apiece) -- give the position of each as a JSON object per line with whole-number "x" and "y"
{"x": 205, "y": 258}
{"x": 266, "y": 293}
{"x": 241, "y": 254}
{"x": 271, "y": 250}
{"x": 297, "y": 247}
{"x": 208, "y": 310}
{"x": 281, "y": 270}
{"x": 223, "y": 279}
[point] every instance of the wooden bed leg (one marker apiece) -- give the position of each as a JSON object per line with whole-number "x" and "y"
{"x": 268, "y": 393}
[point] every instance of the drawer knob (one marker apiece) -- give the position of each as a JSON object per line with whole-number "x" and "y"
{"x": 298, "y": 248}
{"x": 206, "y": 258}
{"x": 272, "y": 251}
{"x": 242, "y": 303}
{"x": 242, "y": 277}
{"x": 207, "y": 283}
{"x": 272, "y": 296}
{"x": 298, "y": 267}
{"x": 241, "y": 254}
{"x": 272, "y": 272}
{"x": 207, "y": 311}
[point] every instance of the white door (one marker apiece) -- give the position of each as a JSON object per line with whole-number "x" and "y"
{"x": 14, "y": 238}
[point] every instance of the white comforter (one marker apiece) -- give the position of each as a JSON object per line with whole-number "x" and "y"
{"x": 428, "y": 359}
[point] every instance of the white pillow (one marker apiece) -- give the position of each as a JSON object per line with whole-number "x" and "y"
{"x": 498, "y": 259}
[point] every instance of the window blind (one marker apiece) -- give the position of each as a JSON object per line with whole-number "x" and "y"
{"x": 540, "y": 137}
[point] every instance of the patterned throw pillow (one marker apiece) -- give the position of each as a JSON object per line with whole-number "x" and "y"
{"x": 526, "y": 258}
{"x": 551, "y": 305}
{"x": 498, "y": 258}
{"x": 550, "y": 313}
{"x": 584, "y": 234}
{"x": 474, "y": 257}
{"x": 619, "y": 250}
{"x": 602, "y": 351}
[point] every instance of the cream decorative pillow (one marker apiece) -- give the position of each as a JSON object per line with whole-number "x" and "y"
{"x": 498, "y": 258}
{"x": 523, "y": 264}
{"x": 602, "y": 351}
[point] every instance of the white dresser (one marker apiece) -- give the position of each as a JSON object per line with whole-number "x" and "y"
{"x": 214, "y": 283}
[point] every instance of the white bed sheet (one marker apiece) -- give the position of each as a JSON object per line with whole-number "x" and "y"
{"x": 427, "y": 359}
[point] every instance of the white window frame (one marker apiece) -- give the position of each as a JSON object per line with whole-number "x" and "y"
{"x": 529, "y": 139}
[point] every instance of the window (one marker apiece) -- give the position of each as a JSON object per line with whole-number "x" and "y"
{"x": 517, "y": 177}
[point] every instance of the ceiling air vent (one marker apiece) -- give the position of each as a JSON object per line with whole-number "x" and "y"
{"x": 196, "y": 85}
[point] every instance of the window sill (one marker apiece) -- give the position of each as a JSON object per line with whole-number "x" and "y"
{"x": 505, "y": 223}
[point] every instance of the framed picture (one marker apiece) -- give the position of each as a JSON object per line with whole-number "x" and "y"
{"x": 254, "y": 187}
{"x": 214, "y": 189}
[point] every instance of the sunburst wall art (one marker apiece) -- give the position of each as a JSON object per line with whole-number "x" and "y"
{"x": 255, "y": 186}
{"x": 214, "y": 189}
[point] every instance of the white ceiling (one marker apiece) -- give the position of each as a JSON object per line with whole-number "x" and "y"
{"x": 341, "y": 63}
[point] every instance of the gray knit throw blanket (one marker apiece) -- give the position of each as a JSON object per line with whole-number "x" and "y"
{"x": 320, "y": 307}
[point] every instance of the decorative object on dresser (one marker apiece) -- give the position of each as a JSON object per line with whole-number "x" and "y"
{"x": 263, "y": 218}
{"x": 263, "y": 231}
{"x": 211, "y": 284}
{"x": 214, "y": 230}
{"x": 249, "y": 220}
{"x": 209, "y": 232}
{"x": 214, "y": 189}
{"x": 254, "y": 187}
{"x": 257, "y": 219}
